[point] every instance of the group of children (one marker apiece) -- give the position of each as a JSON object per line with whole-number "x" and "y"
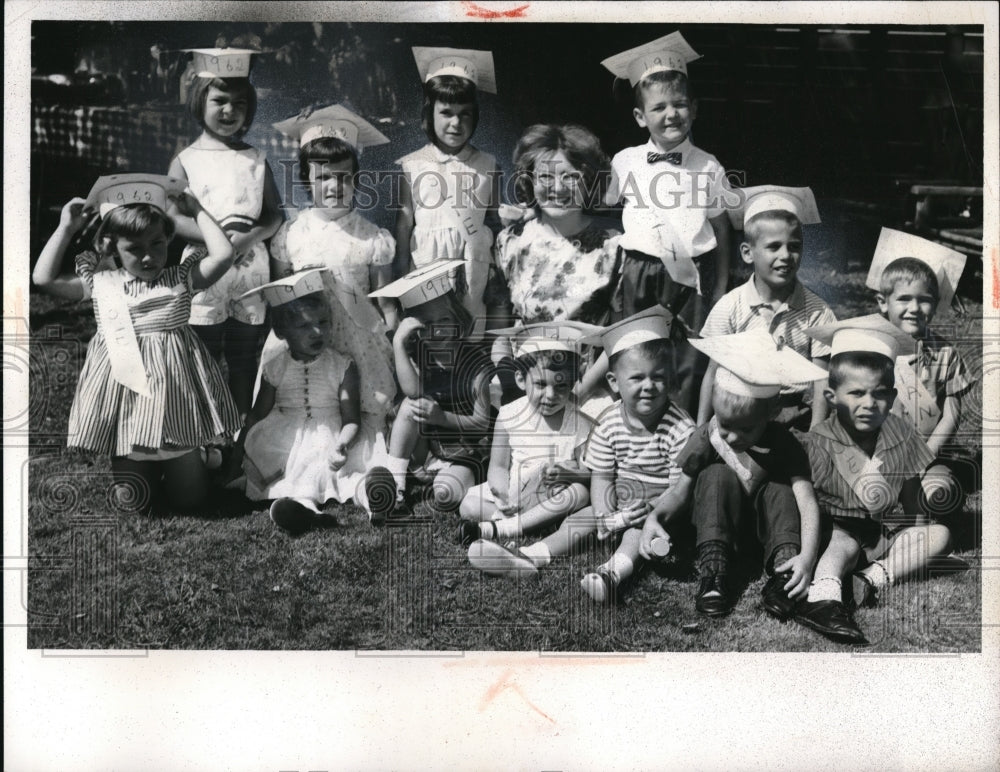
{"x": 818, "y": 438}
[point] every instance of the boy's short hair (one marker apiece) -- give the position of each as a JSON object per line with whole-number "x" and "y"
{"x": 582, "y": 150}
{"x": 907, "y": 269}
{"x": 199, "y": 91}
{"x": 751, "y": 228}
{"x": 742, "y": 405}
{"x": 326, "y": 150}
{"x": 669, "y": 78}
{"x": 283, "y": 314}
{"x": 649, "y": 349}
{"x": 862, "y": 360}
{"x": 130, "y": 221}
{"x": 448, "y": 89}
{"x": 558, "y": 361}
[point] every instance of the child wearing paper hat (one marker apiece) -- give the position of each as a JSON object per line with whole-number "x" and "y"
{"x": 677, "y": 236}
{"x": 632, "y": 456}
{"x": 235, "y": 184}
{"x": 535, "y": 476}
{"x": 150, "y": 394}
{"x": 332, "y": 234}
{"x": 445, "y": 423}
{"x": 304, "y": 439}
{"x": 864, "y": 461}
{"x": 773, "y": 299}
{"x": 913, "y": 278}
{"x": 742, "y": 465}
{"x": 449, "y": 188}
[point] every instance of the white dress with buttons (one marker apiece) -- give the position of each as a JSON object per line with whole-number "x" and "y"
{"x": 288, "y": 452}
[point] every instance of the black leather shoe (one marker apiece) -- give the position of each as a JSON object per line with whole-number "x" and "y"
{"x": 468, "y": 532}
{"x": 293, "y": 517}
{"x": 863, "y": 591}
{"x": 380, "y": 488}
{"x": 774, "y": 599}
{"x": 713, "y": 596}
{"x": 830, "y": 618}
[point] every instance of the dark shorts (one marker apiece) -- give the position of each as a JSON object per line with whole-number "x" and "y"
{"x": 874, "y": 537}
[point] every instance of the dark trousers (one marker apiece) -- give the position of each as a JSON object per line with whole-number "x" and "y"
{"x": 722, "y": 508}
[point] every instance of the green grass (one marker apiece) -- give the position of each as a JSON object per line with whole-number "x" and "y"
{"x": 229, "y": 579}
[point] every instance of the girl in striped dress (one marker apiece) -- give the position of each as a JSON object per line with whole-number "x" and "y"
{"x": 149, "y": 394}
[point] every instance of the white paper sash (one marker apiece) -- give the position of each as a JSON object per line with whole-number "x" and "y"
{"x": 682, "y": 269}
{"x": 119, "y": 334}
{"x": 914, "y": 402}
{"x": 864, "y": 477}
{"x": 741, "y": 463}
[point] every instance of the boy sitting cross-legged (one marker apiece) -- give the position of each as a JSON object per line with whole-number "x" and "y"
{"x": 631, "y": 454}
{"x": 742, "y": 466}
{"x": 864, "y": 461}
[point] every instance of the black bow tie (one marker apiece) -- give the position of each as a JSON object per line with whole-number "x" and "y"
{"x": 670, "y": 158}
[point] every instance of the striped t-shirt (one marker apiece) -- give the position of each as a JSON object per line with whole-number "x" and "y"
{"x": 644, "y": 463}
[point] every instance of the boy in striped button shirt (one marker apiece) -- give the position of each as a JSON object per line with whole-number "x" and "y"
{"x": 864, "y": 462}
{"x": 631, "y": 453}
{"x": 773, "y": 299}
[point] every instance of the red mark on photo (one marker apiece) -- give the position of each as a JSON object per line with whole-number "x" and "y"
{"x": 478, "y": 12}
{"x": 995, "y": 266}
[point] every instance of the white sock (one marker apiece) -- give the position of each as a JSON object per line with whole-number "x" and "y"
{"x": 878, "y": 574}
{"x": 398, "y": 467}
{"x": 825, "y": 588}
{"x": 508, "y": 528}
{"x": 619, "y": 566}
{"x": 538, "y": 553}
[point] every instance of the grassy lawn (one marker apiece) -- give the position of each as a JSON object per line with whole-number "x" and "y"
{"x": 229, "y": 579}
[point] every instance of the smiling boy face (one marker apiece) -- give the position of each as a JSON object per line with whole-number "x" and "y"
{"x": 774, "y": 248}
{"x": 910, "y": 306}
{"x": 641, "y": 381}
{"x": 667, "y": 113}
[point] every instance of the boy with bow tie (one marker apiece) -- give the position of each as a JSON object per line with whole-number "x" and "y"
{"x": 676, "y": 241}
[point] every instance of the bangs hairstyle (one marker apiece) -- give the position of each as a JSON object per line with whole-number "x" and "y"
{"x": 326, "y": 150}
{"x": 455, "y": 307}
{"x": 567, "y": 362}
{"x": 907, "y": 269}
{"x": 582, "y": 150}
{"x": 669, "y": 78}
{"x": 648, "y": 349}
{"x": 448, "y": 89}
{"x": 282, "y": 316}
{"x": 751, "y": 228}
{"x": 743, "y": 405}
{"x": 199, "y": 92}
{"x": 129, "y": 221}
{"x": 884, "y": 367}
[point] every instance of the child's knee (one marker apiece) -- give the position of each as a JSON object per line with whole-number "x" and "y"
{"x": 449, "y": 489}
{"x": 942, "y": 495}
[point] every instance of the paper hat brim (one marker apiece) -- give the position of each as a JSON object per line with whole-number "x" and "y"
{"x": 670, "y": 52}
{"x": 114, "y": 190}
{"x": 757, "y": 361}
{"x": 333, "y": 121}
{"x": 289, "y": 288}
{"x": 221, "y": 62}
{"x": 476, "y": 66}
{"x": 871, "y": 333}
{"x": 766, "y": 198}
{"x": 421, "y": 285}
{"x": 729, "y": 381}
{"x": 946, "y": 263}
{"x": 651, "y": 324}
{"x": 546, "y": 336}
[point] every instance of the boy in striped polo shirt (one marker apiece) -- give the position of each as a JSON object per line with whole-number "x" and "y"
{"x": 631, "y": 453}
{"x": 773, "y": 298}
{"x": 864, "y": 461}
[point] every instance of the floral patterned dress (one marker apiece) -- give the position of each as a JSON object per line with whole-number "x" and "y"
{"x": 551, "y": 277}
